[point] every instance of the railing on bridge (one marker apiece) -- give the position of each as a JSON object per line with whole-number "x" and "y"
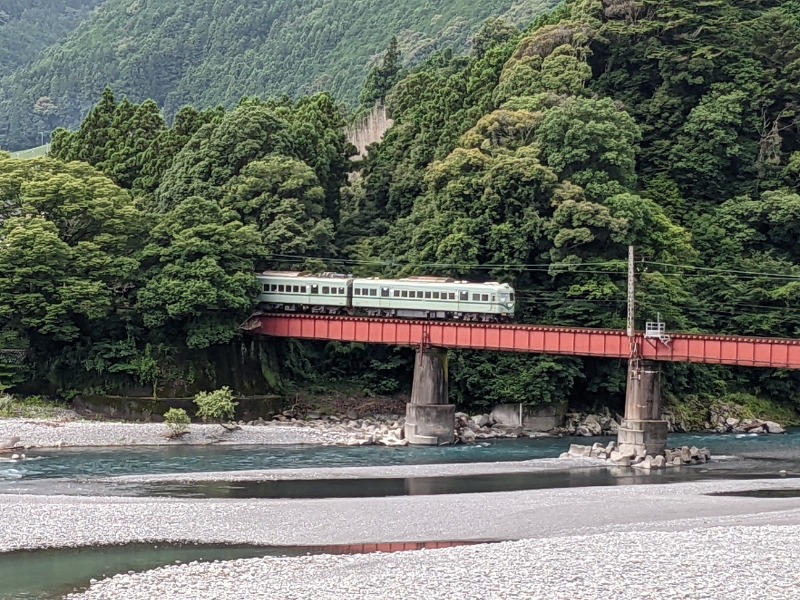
{"x": 575, "y": 341}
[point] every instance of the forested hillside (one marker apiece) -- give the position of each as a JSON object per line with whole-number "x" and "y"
{"x": 180, "y": 52}
{"x": 534, "y": 159}
{"x": 29, "y": 26}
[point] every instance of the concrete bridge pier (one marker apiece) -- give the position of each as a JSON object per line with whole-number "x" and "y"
{"x": 642, "y": 427}
{"x": 430, "y": 420}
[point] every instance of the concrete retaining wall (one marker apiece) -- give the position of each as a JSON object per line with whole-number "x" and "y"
{"x": 151, "y": 409}
{"x": 533, "y": 418}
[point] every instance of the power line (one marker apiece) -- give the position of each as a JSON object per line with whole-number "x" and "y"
{"x": 568, "y": 267}
{"x": 726, "y": 271}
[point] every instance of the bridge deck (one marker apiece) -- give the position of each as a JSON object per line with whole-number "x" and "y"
{"x": 575, "y": 341}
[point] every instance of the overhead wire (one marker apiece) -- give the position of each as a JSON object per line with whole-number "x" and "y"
{"x": 532, "y": 295}
{"x": 569, "y": 267}
{"x": 723, "y": 271}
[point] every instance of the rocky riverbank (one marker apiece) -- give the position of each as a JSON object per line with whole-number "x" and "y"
{"x": 355, "y": 425}
{"x": 293, "y": 428}
{"x": 626, "y": 455}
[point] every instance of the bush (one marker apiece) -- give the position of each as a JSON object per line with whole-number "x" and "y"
{"x": 215, "y": 406}
{"x": 178, "y": 422}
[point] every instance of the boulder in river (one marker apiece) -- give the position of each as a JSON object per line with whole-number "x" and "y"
{"x": 773, "y": 427}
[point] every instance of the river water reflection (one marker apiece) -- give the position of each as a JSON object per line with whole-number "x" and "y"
{"x": 736, "y": 456}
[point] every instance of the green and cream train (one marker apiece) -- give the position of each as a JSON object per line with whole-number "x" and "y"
{"x": 412, "y": 297}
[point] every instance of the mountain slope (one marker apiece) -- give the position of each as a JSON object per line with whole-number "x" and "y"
{"x": 185, "y": 51}
{"x": 29, "y": 26}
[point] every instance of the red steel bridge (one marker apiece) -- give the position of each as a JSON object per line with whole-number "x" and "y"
{"x": 653, "y": 344}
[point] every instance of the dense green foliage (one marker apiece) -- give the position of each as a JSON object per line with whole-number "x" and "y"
{"x": 180, "y": 52}
{"x": 535, "y": 159}
{"x": 130, "y": 250}
{"x": 29, "y": 26}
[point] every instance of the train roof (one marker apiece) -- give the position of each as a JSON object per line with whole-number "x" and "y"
{"x": 325, "y": 275}
{"x": 416, "y": 279}
{"x": 428, "y": 281}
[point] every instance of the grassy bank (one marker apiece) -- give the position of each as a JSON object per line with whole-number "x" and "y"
{"x": 697, "y": 413}
{"x": 32, "y": 407}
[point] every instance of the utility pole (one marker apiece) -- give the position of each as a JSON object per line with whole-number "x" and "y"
{"x": 631, "y": 294}
{"x": 642, "y": 429}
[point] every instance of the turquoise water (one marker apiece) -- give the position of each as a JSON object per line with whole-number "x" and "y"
{"x": 47, "y": 574}
{"x": 750, "y": 454}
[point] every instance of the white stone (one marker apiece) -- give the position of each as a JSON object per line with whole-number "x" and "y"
{"x": 468, "y": 436}
{"x": 773, "y": 427}
{"x": 579, "y": 450}
{"x": 481, "y": 420}
{"x": 591, "y": 424}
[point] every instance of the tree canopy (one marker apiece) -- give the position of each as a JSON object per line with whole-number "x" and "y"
{"x": 535, "y": 158}
{"x": 189, "y": 52}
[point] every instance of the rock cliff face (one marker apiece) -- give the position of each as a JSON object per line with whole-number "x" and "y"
{"x": 369, "y": 131}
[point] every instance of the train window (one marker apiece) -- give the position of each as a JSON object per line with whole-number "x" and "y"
{"x": 435, "y": 295}
{"x": 412, "y": 294}
{"x": 463, "y": 296}
{"x": 295, "y": 289}
{"x": 326, "y": 289}
{"x": 452, "y": 295}
{"x": 503, "y": 297}
{"x": 265, "y": 288}
{"x": 484, "y": 297}
{"x": 357, "y": 291}
{"x": 280, "y": 288}
{"x": 373, "y": 292}
{"x": 512, "y": 297}
{"x": 302, "y": 289}
{"x": 396, "y": 293}
{"x": 385, "y": 292}
{"x": 494, "y": 298}
{"x": 476, "y": 297}
{"x": 404, "y": 293}
{"x": 427, "y": 295}
{"x": 315, "y": 289}
{"x": 341, "y": 291}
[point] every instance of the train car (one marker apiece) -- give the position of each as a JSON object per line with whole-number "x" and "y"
{"x": 412, "y": 297}
{"x": 327, "y": 293}
{"x": 433, "y": 298}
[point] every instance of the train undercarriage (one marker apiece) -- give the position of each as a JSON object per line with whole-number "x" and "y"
{"x": 387, "y": 313}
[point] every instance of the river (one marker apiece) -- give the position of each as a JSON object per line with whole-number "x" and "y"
{"x": 734, "y": 456}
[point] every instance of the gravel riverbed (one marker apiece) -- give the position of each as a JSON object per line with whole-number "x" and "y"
{"x": 52, "y": 433}
{"x": 628, "y": 542}
{"x": 721, "y": 563}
